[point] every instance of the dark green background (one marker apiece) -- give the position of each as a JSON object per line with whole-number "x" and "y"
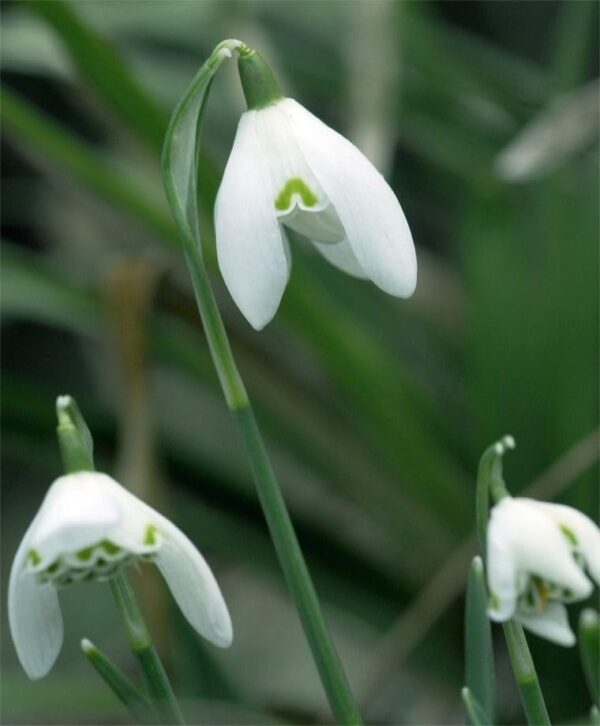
{"x": 375, "y": 410}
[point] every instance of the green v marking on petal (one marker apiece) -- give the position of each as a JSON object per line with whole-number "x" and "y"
{"x": 295, "y": 186}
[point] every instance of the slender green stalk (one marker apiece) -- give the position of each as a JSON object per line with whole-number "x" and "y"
{"x": 473, "y": 708}
{"x": 280, "y": 525}
{"x": 489, "y": 483}
{"x": 525, "y": 675}
{"x": 153, "y": 672}
{"x": 479, "y": 653}
{"x": 180, "y": 174}
{"x": 132, "y": 698}
{"x": 589, "y": 650}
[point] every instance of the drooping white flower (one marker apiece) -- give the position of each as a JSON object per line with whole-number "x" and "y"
{"x": 536, "y": 557}
{"x": 288, "y": 170}
{"x": 90, "y": 528}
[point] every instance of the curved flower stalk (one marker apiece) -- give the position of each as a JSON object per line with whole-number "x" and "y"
{"x": 536, "y": 555}
{"x": 180, "y": 169}
{"x": 90, "y": 528}
{"x": 289, "y": 171}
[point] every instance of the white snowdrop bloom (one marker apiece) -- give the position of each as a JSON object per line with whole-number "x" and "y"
{"x": 537, "y": 554}
{"x": 289, "y": 171}
{"x": 90, "y": 528}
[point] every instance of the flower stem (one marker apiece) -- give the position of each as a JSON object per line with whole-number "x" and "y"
{"x": 490, "y": 482}
{"x": 153, "y": 672}
{"x": 525, "y": 675}
{"x": 278, "y": 520}
{"x": 135, "y": 700}
{"x": 76, "y": 448}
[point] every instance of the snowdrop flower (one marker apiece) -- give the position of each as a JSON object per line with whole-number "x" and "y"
{"x": 536, "y": 555}
{"x": 289, "y": 171}
{"x": 89, "y": 528}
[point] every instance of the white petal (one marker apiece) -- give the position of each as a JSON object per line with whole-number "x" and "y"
{"x": 284, "y": 158}
{"x": 193, "y": 585}
{"x": 552, "y": 623}
{"x": 537, "y": 545}
{"x": 319, "y": 222}
{"x": 34, "y": 616}
{"x": 583, "y": 528}
{"x": 502, "y": 575}
{"x": 250, "y": 246}
{"x": 368, "y": 209}
{"x": 77, "y": 512}
{"x": 341, "y": 256}
{"x": 132, "y": 529}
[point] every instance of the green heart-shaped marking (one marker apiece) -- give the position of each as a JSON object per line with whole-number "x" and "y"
{"x": 295, "y": 186}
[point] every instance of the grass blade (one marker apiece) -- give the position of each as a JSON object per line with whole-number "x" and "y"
{"x": 479, "y": 655}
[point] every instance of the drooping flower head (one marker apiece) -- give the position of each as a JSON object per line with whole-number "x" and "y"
{"x": 289, "y": 171}
{"x": 537, "y": 554}
{"x": 90, "y": 528}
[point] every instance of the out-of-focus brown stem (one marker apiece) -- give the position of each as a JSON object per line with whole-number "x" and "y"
{"x": 130, "y": 290}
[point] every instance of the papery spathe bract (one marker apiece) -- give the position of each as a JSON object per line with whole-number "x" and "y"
{"x": 537, "y": 554}
{"x": 89, "y": 528}
{"x": 288, "y": 170}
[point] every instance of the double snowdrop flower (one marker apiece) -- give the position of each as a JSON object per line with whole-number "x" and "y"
{"x": 536, "y": 556}
{"x": 289, "y": 171}
{"x": 89, "y": 528}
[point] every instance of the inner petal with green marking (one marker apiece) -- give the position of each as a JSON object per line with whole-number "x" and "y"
{"x": 98, "y": 562}
{"x": 295, "y": 187}
{"x": 300, "y": 209}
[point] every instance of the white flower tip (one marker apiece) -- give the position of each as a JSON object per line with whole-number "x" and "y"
{"x": 63, "y": 401}
{"x": 258, "y": 322}
{"x": 589, "y": 618}
{"x": 224, "y": 53}
{"x": 87, "y": 646}
{"x": 477, "y": 564}
{"x": 506, "y": 442}
{"x": 223, "y": 636}
{"x": 497, "y": 615}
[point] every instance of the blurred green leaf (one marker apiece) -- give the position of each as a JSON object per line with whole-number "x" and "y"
{"x": 101, "y": 67}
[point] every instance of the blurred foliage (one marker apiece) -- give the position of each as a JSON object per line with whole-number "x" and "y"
{"x": 375, "y": 410}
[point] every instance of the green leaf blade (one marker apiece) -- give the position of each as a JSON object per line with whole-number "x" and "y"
{"x": 479, "y": 654}
{"x": 589, "y": 649}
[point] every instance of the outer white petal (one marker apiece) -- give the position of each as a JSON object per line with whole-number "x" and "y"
{"x": 78, "y": 511}
{"x": 34, "y": 615}
{"x": 537, "y": 545}
{"x": 552, "y": 623}
{"x": 372, "y": 217}
{"x": 340, "y": 255}
{"x": 502, "y": 574}
{"x": 585, "y": 530}
{"x": 136, "y": 517}
{"x": 192, "y": 584}
{"x": 250, "y": 246}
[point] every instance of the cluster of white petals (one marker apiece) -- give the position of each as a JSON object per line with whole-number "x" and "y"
{"x": 537, "y": 554}
{"x": 90, "y": 528}
{"x": 288, "y": 170}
